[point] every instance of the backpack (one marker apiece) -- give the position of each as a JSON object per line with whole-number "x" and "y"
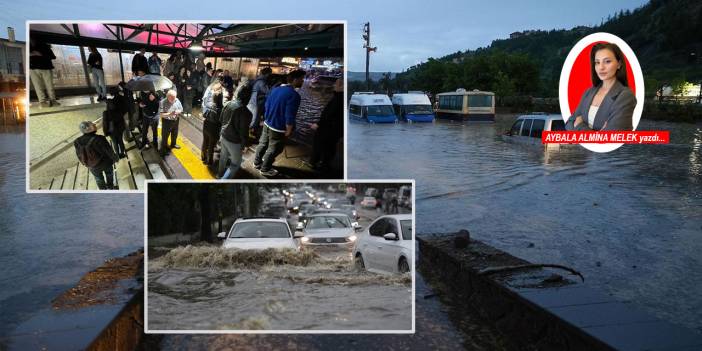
{"x": 87, "y": 155}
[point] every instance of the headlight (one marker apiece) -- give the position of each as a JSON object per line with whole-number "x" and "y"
{"x": 352, "y": 238}
{"x": 295, "y": 208}
{"x": 304, "y": 239}
{"x": 354, "y": 224}
{"x": 300, "y": 225}
{"x": 354, "y": 212}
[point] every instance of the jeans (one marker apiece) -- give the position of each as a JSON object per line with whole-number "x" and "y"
{"x": 43, "y": 79}
{"x": 233, "y": 151}
{"x": 145, "y": 124}
{"x": 99, "y": 81}
{"x": 269, "y": 147}
{"x": 97, "y": 171}
{"x": 168, "y": 128}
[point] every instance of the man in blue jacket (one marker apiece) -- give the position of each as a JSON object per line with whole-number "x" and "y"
{"x": 281, "y": 109}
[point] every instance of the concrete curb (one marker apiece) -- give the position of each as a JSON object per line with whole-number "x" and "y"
{"x": 564, "y": 316}
{"x": 126, "y": 330}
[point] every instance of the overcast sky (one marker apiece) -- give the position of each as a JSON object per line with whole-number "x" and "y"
{"x": 405, "y": 32}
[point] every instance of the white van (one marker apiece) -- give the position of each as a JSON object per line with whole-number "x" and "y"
{"x": 413, "y": 107}
{"x": 372, "y": 108}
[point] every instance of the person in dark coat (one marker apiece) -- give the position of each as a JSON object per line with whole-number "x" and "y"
{"x": 113, "y": 124}
{"x": 41, "y": 72}
{"x": 95, "y": 63}
{"x": 140, "y": 65}
{"x": 185, "y": 90}
{"x": 103, "y": 156}
{"x": 329, "y": 129}
{"x": 149, "y": 107}
{"x": 212, "y": 103}
{"x": 235, "y": 135}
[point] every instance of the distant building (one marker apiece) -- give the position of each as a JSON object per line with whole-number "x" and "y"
{"x": 12, "y": 64}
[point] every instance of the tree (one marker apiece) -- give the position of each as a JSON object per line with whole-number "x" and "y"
{"x": 205, "y": 216}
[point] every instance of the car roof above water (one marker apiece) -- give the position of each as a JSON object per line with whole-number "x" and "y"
{"x": 544, "y": 116}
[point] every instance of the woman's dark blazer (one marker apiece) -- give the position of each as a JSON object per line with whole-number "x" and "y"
{"x": 617, "y": 109}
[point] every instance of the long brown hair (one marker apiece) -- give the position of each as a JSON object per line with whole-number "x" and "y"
{"x": 621, "y": 72}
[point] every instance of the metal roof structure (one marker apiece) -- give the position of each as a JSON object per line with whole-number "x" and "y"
{"x": 215, "y": 39}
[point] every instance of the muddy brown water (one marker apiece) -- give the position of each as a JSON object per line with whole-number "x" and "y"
{"x": 273, "y": 290}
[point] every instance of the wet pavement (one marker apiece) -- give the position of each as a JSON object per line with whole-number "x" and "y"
{"x": 629, "y": 220}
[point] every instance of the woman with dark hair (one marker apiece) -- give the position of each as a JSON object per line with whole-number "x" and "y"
{"x": 185, "y": 92}
{"x": 609, "y": 103}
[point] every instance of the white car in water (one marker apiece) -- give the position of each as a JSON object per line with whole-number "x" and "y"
{"x": 387, "y": 245}
{"x": 333, "y": 228}
{"x": 260, "y": 234}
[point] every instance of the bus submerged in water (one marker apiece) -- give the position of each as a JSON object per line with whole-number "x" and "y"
{"x": 372, "y": 108}
{"x": 463, "y": 105}
{"x": 413, "y": 106}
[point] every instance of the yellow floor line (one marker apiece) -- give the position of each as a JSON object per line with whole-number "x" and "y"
{"x": 189, "y": 157}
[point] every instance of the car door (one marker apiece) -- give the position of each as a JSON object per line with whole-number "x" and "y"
{"x": 375, "y": 238}
{"x": 389, "y": 250}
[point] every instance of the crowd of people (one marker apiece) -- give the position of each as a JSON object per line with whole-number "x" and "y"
{"x": 235, "y": 113}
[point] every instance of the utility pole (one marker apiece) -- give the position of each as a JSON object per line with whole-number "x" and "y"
{"x": 366, "y": 45}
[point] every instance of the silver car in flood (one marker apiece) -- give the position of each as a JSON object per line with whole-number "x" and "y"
{"x": 329, "y": 229}
{"x": 260, "y": 234}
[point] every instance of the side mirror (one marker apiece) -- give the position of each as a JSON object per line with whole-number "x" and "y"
{"x": 298, "y": 234}
{"x": 391, "y": 236}
{"x": 222, "y": 235}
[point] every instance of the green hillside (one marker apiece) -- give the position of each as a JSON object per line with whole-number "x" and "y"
{"x": 666, "y": 36}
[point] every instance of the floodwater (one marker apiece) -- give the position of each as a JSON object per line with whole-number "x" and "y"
{"x": 50, "y": 241}
{"x": 629, "y": 220}
{"x": 210, "y": 288}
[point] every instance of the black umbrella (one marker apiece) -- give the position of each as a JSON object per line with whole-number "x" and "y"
{"x": 150, "y": 82}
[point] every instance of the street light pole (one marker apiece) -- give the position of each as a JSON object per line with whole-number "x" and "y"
{"x": 366, "y": 45}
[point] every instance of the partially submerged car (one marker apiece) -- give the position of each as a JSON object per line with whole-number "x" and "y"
{"x": 329, "y": 229}
{"x": 386, "y": 246}
{"x": 259, "y": 234}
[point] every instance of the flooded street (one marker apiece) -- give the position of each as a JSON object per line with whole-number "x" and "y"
{"x": 50, "y": 241}
{"x": 205, "y": 286}
{"x": 321, "y": 294}
{"x": 629, "y": 220}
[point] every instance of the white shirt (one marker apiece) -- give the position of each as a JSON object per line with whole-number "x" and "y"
{"x": 591, "y": 115}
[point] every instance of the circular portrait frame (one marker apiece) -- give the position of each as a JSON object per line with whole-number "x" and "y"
{"x": 566, "y": 71}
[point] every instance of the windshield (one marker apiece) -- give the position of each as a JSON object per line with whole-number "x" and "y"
{"x": 324, "y": 222}
{"x": 406, "y": 229}
{"x": 380, "y": 110}
{"x": 260, "y": 230}
{"x": 418, "y": 109}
